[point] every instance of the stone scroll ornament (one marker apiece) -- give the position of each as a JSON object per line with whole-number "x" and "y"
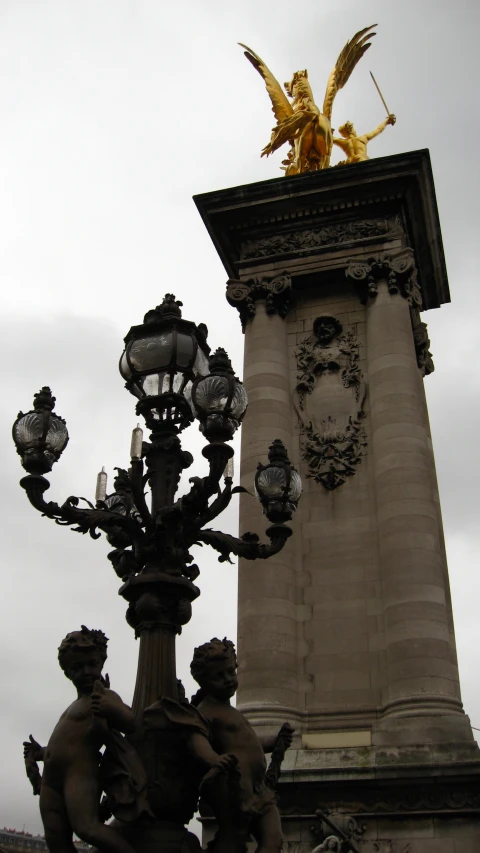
{"x": 398, "y": 269}
{"x": 332, "y": 445}
{"x": 275, "y": 292}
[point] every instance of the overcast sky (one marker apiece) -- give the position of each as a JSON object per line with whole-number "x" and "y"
{"x": 113, "y": 114}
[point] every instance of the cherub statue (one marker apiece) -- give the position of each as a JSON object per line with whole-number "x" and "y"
{"x": 355, "y": 147}
{"x": 241, "y": 800}
{"x": 301, "y": 123}
{"x": 71, "y": 784}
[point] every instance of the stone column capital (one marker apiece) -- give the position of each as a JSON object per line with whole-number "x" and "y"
{"x": 276, "y": 293}
{"x": 396, "y": 267}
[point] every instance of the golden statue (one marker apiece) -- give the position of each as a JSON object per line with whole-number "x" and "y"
{"x": 300, "y": 123}
{"x": 355, "y": 147}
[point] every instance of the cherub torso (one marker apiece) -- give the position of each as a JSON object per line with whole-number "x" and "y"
{"x": 74, "y": 743}
{"x": 232, "y": 733}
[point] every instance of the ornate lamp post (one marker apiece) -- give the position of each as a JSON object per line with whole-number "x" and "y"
{"x": 168, "y": 367}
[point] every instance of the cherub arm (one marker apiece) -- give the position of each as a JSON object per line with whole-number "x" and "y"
{"x": 381, "y": 127}
{"x": 201, "y": 749}
{"x": 107, "y": 704}
{"x": 32, "y": 750}
{"x": 269, "y": 742}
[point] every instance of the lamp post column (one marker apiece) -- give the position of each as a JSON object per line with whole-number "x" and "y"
{"x": 159, "y": 602}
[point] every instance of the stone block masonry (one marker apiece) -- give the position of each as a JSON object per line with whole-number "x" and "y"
{"x": 349, "y": 631}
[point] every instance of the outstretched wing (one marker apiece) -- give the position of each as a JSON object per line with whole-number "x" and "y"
{"x": 346, "y": 62}
{"x": 281, "y": 106}
{"x": 287, "y": 130}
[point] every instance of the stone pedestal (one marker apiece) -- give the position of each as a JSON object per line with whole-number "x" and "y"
{"x": 153, "y": 836}
{"x": 348, "y": 633}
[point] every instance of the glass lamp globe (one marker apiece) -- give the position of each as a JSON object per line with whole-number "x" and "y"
{"x": 219, "y": 400}
{"x": 161, "y": 359}
{"x": 40, "y": 436}
{"x": 278, "y": 486}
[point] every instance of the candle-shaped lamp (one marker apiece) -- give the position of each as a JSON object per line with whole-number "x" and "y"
{"x": 136, "y": 444}
{"x": 101, "y": 490}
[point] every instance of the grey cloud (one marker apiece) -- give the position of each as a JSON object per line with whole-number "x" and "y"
{"x": 113, "y": 115}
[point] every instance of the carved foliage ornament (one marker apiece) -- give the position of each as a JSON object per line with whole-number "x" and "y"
{"x": 314, "y": 240}
{"x": 333, "y": 844}
{"x": 422, "y": 343}
{"x": 333, "y": 454}
{"x": 332, "y": 448}
{"x": 425, "y": 798}
{"x": 397, "y": 268}
{"x": 243, "y": 295}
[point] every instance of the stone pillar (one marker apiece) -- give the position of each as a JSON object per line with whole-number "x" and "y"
{"x": 348, "y": 633}
{"x": 422, "y": 676}
{"x": 267, "y": 625}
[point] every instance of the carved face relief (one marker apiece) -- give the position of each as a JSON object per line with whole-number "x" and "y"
{"x": 325, "y": 329}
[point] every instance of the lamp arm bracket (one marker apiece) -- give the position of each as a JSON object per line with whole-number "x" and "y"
{"x": 86, "y": 520}
{"x": 218, "y": 505}
{"x": 249, "y": 546}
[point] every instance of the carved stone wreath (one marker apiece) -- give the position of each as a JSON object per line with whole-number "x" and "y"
{"x": 333, "y": 451}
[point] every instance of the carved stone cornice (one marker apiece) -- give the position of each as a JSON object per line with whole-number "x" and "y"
{"x": 314, "y": 240}
{"x": 276, "y": 293}
{"x": 383, "y": 187}
{"x": 397, "y": 268}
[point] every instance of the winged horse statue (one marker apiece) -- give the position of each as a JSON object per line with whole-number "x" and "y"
{"x": 300, "y": 122}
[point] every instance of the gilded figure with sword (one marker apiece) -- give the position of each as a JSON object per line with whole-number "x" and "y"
{"x": 354, "y": 146}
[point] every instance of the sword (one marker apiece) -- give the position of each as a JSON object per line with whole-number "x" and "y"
{"x": 381, "y": 96}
